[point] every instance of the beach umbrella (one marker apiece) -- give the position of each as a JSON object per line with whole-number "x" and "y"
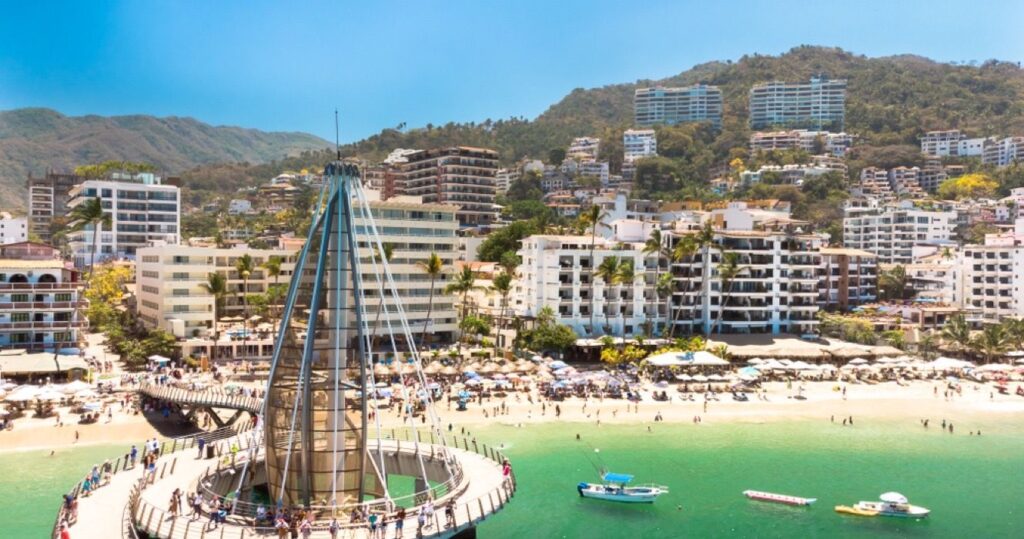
{"x": 449, "y": 371}
{"x": 489, "y": 368}
{"x": 662, "y": 384}
{"x": 381, "y": 384}
{"x": 498, "y": 376}
{"x": 23, "y": 394}
{"x": 507, "y": 369}
{"x": 473, "y": 382}
{"x": 433, "y": 368}
{"x": 556, "y": 365}
{"x": 86, "y": 394}
{"x": 858, "y": 361}
{"x": 537, "y": 358}
{"x": 684, "y": 377}
{"x": 409, "y": 369}
{"x": 700, "y": 378}
{"x": 471, "y": 374}
{"x": 49, "y": 396}
{"x": 755, "y": 361}
{"x": 92, "y": 406}
{"x": 75, "y": 387}
{"x": 381, "y": 370}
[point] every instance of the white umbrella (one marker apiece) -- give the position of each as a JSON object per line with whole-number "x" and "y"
{"x": 50, "y": 395}
{"x": 858, "y": 361}
{"x": 700, "y": 378}
{"x": 86, "y": 394}
{"x": 23, "y": 394}
{"x": 75, "y": 387}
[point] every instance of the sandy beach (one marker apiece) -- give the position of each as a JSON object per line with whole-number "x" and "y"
{"x": 978, "y": 404}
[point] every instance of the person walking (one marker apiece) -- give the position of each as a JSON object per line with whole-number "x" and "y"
{"x": 332, "y": 528}
{"x": 306, "y": 529}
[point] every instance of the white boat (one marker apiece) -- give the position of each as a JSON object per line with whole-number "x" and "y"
{"x": 778, "y": 498}
{"x": 614, "y": 489}
{"x": 890, "y": 504}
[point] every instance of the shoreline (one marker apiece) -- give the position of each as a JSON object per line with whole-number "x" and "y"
{"x": 886, "y": 401}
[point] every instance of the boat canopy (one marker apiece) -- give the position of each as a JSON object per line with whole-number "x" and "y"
{"x": 617, "y": 477}
{"x": 893, "y": 497}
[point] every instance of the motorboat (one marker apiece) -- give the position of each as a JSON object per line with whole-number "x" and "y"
{"x": 614, "y": 489}
{"x": 777, "y": 498}
{"x": 890, "y": 504}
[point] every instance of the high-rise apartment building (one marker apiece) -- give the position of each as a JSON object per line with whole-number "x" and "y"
{"x": 47, "y": 199}
{"x": 638, "y": 143}
{"x": 661, "y": 105}
{"x": 849, "y": 278}
{"x": 458, "y": 175}
{"x": 816, "y": 142}
{"x": 890, "y": 231}
{"x": 817, "y": 104}
{"x": 142, "y": 211}
{"x": 1002, "y": 152}
{"x": 40, "y": 300}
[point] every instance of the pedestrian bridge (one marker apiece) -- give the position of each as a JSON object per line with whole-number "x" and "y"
{"x": 191, "y": 401}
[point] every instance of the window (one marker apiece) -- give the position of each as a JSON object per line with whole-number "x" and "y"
{"x": 63, "y": 296}
{"x": 19, "y": 297}
{"x": 19, "y": 317}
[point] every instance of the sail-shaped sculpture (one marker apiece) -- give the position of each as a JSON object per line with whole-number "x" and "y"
{"x": 316, "y": 418}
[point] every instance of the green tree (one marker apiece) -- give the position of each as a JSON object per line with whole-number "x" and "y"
{"x": 474, "y": 325}
{"x": 896, "y": 338}
{"x": 502, "y": 284}
{"x": 463, "y": 283}
{"x": 728, "y": 269}
{"x": 433, "y": 266}
{"x": 505, "y": 240}
{"x": 957, "y": 332}
{"x": 627, "y": 276}
{"x": 892, "y": 284}
{"x": 217, "y": 286}
{"x": 245, "y": 265}
{"x": 608, "y": 271}
{"x": 90, "y": 214}
{"x": 593, "y": 218}
{"x": 991, "y": 343}
{"x": 926, "y": 345}
{"x": 657, "y": 245}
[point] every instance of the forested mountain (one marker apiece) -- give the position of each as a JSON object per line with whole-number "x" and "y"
{"x": 33, "y": 140}
{"x": 890, "y": 102}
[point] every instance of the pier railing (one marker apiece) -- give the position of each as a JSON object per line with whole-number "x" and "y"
{"x": 156, "y": 522}
{"x": 167, "y": 447}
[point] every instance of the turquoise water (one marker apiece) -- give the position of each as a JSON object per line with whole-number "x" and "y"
{"x": 973, "y": 485}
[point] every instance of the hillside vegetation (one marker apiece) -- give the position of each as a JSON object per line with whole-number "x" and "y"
{"x": 33, "y": 140}
{"x": 890, "y": 102}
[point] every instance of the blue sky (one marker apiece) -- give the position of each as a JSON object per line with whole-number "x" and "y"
{"x": 278, "y": 65}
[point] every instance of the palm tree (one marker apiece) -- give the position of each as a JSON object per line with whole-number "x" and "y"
{"x": 90, "y": 213}
{"x": 217, "y": 286}
{"x": 608, "y": 271}
{"x": 991, "y": 342}
{"x": 893, "y": 283}
{"x": 434, "y": 267}
{"x": 1014, "y": 329}
{"x": 656, "y": 244}
{"x": 245, "y": 266}
{"x": 626, "y": 275}
{"x": 273, "y": 267}
{"x": 926, "y": 344}
{"x": 704, "y": 241}
{"x": 957, "y": 332}
{"x": 463, "y": 283}
{"x": 502, "y": 284}
{"x": 728, "y": 270}
{"x": 593, "y": 218}
{"x": 684, "y": 249}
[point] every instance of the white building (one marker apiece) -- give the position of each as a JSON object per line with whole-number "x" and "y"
{"x": 891, "y": 230}
{"x": 40, "y": 300}
{"x": 818, "y": 104}
{"x": 639, "y": 143}
{"x": 583, "y": 148}
{"x": 835, "y": 144}
{"x": 660, "y": 105}
{"x": 504, "y": 178}
{"x": 169, "y": 277}
{"x": 941, "y": 143}
{"x": 142, "y": 211}
{"x": 1002, "y": 152}
{"x": 13, "y": 229}
{"x": 555, "y": 272}
{"x": 596, "y": 169}
{"x": 239, "y": 206}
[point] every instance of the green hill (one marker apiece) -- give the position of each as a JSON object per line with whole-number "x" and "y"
{"x": 33, "y": 140}
{"x": 890, "y": 102}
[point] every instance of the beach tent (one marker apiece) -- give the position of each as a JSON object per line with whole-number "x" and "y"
{"x": 667, "y": 359}
{"x": 155, "y": 358}
{"x": 944, "y": 363}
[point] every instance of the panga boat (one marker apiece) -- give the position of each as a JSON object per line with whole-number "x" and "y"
{"x": 891, "y": 504}
{"x": 778, "y": 498}
{"x": 614, "y": 489}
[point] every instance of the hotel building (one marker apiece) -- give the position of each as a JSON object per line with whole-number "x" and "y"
{"x": 40, "y": 300}
{"x": 817, "y": 104}
{"x": 48, "y": 198}
{"x": 890, "y": 231}
{"x": 661, "y": 105}
{"x": 458, "y": 175}
{"x": 169, "y": 278}
{"x": 142, "y": 211}
{"x": 12, "y": 229}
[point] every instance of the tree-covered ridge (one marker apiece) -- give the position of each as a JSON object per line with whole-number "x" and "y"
{"x": 34, "y": 140}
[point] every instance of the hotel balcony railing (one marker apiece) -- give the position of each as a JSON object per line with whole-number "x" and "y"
{"x": 46, "y": 305}
{"x": 40, "y": 286}
{"x": 21, "y": 326}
